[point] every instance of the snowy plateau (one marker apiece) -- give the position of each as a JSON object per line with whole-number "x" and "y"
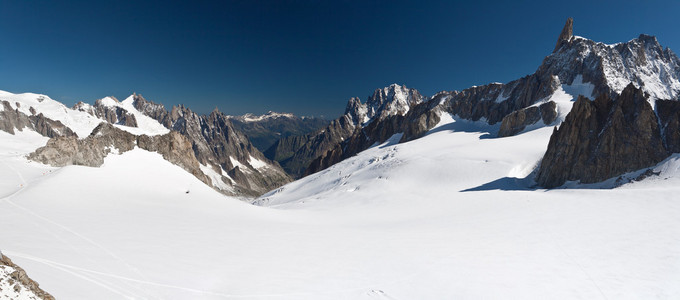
{"x": 454, "y": 214}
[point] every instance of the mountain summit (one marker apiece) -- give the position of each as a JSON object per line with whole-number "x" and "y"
{"x": 566, "y": 34}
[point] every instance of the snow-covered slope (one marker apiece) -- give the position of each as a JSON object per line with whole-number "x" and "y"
{"x": 255, "y": 118}
{"x": 458, "y": 202}
{"x": 145, "y": 124}
{"x": 441, "y": 217}
{"x": 82, "y": 121}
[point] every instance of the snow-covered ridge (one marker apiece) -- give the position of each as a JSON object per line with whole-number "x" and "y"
{"x": 145, "y": 124}
{"x": 81, "y": 118}
{"x": 255, "y": 118}
{"x": 80, "y": 122}
{"x": 642, "y": 61}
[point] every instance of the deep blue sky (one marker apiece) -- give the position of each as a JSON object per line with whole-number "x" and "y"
{"x": 305, "y": 57}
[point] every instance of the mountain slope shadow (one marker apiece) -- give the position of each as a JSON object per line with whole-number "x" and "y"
{"x": 461, "y": 125}
{"x": 507, "y": 184}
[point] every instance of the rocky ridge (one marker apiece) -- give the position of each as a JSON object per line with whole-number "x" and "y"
{"x": 103, "y": 109}
{"x": 106, "y": 139}
{"x": 12, "y": 119}
{"x": 296, "y": 153}
{"x": 224, "y": 154}
{"x": 238, "y": 168}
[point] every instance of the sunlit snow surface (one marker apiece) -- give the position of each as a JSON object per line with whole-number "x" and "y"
{"x": 82, "y": 123}
{"x": 447, "y": 216}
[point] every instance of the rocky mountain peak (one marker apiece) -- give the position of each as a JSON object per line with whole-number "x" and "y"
{"x": 648, "y": 39}
{"x": 388, "y": 101}
{"x": 356, "y": 110}
{"x": 236, "y": 166}
{"x": 154, "y": 110}
{"x": 566, "y": 34}
{"x": 109, "y": 109}
{"x": 106, "y": 101}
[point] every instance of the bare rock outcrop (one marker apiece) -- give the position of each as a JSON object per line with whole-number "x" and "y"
{"x": 380, "y": 117}
{"x": 602, "y": 139}
{"x": 105, "y": 139}
{"x": 110, "y": 113}
{"x": 12, "y": 120}
{"x": 566, "y": 34}
{"x": 518, "y": 120}
{"x": 295, "y": 153}
{"x": 115, "y": 115}
{"x": 22, "y": 286}
{"x": 669, "y": 119}
{"x": 217, "y": 143}
{"x": 156, "y": 111}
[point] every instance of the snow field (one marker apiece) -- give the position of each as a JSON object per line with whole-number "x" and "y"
{"x": 447, "y": 216}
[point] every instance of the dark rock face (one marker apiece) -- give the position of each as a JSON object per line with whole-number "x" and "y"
{"x": 50, "y": 128}
{"x": 13, "y": 119}
{"x": 297, "y": 153}
{"x": 264, "y": 131}
{"x": 602, "y": 139}
{"x": 420, "y": 120}
{"x": 669, "y": 119}
{"x": 19, "y": 280}
{"x": 116, "y": 115}
{"x": 92, "y": 150}
{"x": 566, "y": 34}
{"x": 217, "y": 143}
{"x": 518, "y": 120}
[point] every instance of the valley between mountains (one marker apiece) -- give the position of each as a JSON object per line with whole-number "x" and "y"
{"x": 560, "y": 184}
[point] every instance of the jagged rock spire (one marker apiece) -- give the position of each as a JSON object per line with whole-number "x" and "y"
{"x": 566, "y": 34}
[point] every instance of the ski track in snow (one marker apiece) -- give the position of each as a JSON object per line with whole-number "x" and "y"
{"x": 68, "y": 268}
{"x": 24, "y": 185}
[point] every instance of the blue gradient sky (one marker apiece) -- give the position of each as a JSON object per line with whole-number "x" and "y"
{"x": 305, "y": 57}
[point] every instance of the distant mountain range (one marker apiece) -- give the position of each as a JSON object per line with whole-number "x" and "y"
{"x": 264, "y": 130}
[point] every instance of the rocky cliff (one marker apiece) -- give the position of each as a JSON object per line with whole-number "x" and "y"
{"x": 607, "y": 137}
{"x": 296, "y": 153}
{"x": 12, "y": 120}
{"x": 106, "y": 109}
{"x": 239, "y": 167}
{"x": 106, "y": 139}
